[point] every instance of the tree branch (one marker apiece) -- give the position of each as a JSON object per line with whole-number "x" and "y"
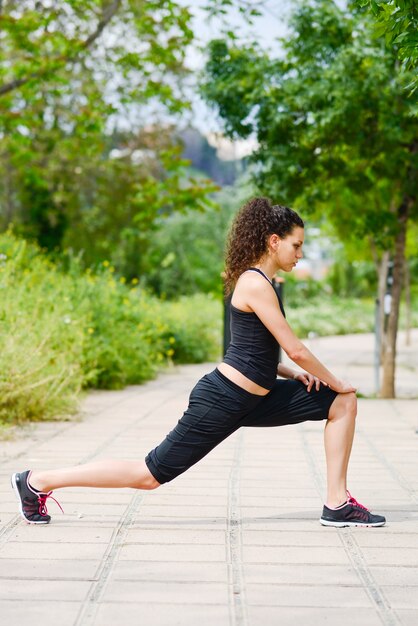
{"x": 108, "y": 13}
{"x": 106, "y": 17}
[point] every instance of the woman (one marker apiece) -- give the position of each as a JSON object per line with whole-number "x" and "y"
{"x": 243, "y": 390}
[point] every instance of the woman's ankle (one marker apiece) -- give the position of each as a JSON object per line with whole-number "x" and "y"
{"x": 36, "y": 481}
{"x": 335, "y": 500}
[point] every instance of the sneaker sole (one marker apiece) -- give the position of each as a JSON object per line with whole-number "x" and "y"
{"x": 343, "y": 524}
{"x": 16, "y": 490}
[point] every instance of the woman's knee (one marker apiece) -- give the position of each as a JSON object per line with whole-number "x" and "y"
{"x": 143, "y": 478}
{"x": 344, "y": 404}
{"x": 150, "y": 483}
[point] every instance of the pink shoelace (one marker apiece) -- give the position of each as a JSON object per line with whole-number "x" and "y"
{"x": 42, "y": 498}
{"x": 354, "y": 502}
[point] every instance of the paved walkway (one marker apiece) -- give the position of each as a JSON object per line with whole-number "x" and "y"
{"x": 234, "y": 541}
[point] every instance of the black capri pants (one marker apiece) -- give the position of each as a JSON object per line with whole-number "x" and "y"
{"x": 218, "y": 407}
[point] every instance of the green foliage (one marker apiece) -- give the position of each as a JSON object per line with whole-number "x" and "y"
{"x": 68, "y": 77}
{"x": 352, "y": 279}
{"x": 327, "y": 314}
{"x": 335, "y": 128}
{"x": 194, "y": 328}
{"x": 248, "y": 8}
{"x": 41, "y": 336}
{"x": 62, "y": 331}
{"x": 397, "y": 22}
{"x": 331, "y": 315}
{"x": 186, "y": 253}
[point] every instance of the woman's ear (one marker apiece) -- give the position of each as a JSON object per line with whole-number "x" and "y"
{"x": 274, "y": 241}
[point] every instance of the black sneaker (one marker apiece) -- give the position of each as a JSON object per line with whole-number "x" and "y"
{"x": 32, "y": 502}
{"x": 352, "y": 513}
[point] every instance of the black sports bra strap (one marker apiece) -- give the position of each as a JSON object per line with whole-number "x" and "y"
{"x": 255, "y": 269}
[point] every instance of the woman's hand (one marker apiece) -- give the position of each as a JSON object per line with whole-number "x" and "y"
{"x": 309, "y": 380}
{"x": 343, "y": 387}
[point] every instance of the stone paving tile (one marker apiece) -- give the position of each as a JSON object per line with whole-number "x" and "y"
{"x": 86, "y": 509}
{"x": 53, "y": 590}
{"x": 285, "y": 554}
{"x": 17, "y": 612}
{"x": 158, "y": 614}
{"x": 387, "y": 540}
{"x": 300, "y": 574}
{"x": 274, "y": 511}
{"x": 46, "y": 550}
{"x": 180, "y": 552}
{"x": 7, "y": 518}
{"x": 82, "y": 518}
{"x": 326, "y": 596}
{"x": 174, "y": 489}
{"x": 103, "y": 497}
{"x": 295, "y": 615}
{"x": 396, "y": 575}
{"x": 168, "y": 592}
{"x": 391, "y": 556}
{"x": 408, "y": 617}
{"x": 279, "y": 502}
{"x": 402, "y": 597}
{"x": 268, "y": 491}
{"x": 290, "y": 538}
{"x": 175, "y": 536}
{"x": 179, "y": 523}
{"x": 171, "y": 571}
{"x": 55, "y": 533}
{"x": 174, "y": 510}
{"x": 184, "y": 501}
{"x": 298, "y": 522}
{"x": 48, "y": 568}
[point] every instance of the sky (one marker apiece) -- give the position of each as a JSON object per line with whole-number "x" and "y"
{"x": 266, "y": 29}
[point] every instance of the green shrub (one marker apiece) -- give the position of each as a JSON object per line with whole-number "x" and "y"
{"x": 41, "y": 339}
{"x": 64, "y": 331}
{"x": 330, "y": 315}
{"x": 327, "y": 315}
{"x": 195, "y": 327}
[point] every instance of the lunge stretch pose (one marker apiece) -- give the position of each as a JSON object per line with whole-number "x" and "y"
{"x": 244, "y": 389}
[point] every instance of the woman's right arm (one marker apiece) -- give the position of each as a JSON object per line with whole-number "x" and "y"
{"x": 261, "y": 299}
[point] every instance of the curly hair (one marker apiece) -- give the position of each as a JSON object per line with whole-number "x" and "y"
{"x": 250, "y": 230}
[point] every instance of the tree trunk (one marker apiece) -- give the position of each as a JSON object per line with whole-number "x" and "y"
{"x": 383, "y": 276}
{"x": 382, "y": 267}
{"x": 389, "y": 360}
{"x": 408, "y": 317}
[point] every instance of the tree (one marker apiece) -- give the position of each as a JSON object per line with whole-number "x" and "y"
{"x": 72, "y": 74}
{"x": 186, "y": 253}
{"x": 335, "y": 130}
{"x": 397, "y": 21}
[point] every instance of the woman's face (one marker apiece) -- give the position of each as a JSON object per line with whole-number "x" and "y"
{"x": 288, "y": 251}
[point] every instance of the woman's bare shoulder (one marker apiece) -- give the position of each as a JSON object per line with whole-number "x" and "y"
{"x": 249, "y": 285}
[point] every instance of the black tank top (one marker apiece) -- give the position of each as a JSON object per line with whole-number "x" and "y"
{"x": 253, "y": 350}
